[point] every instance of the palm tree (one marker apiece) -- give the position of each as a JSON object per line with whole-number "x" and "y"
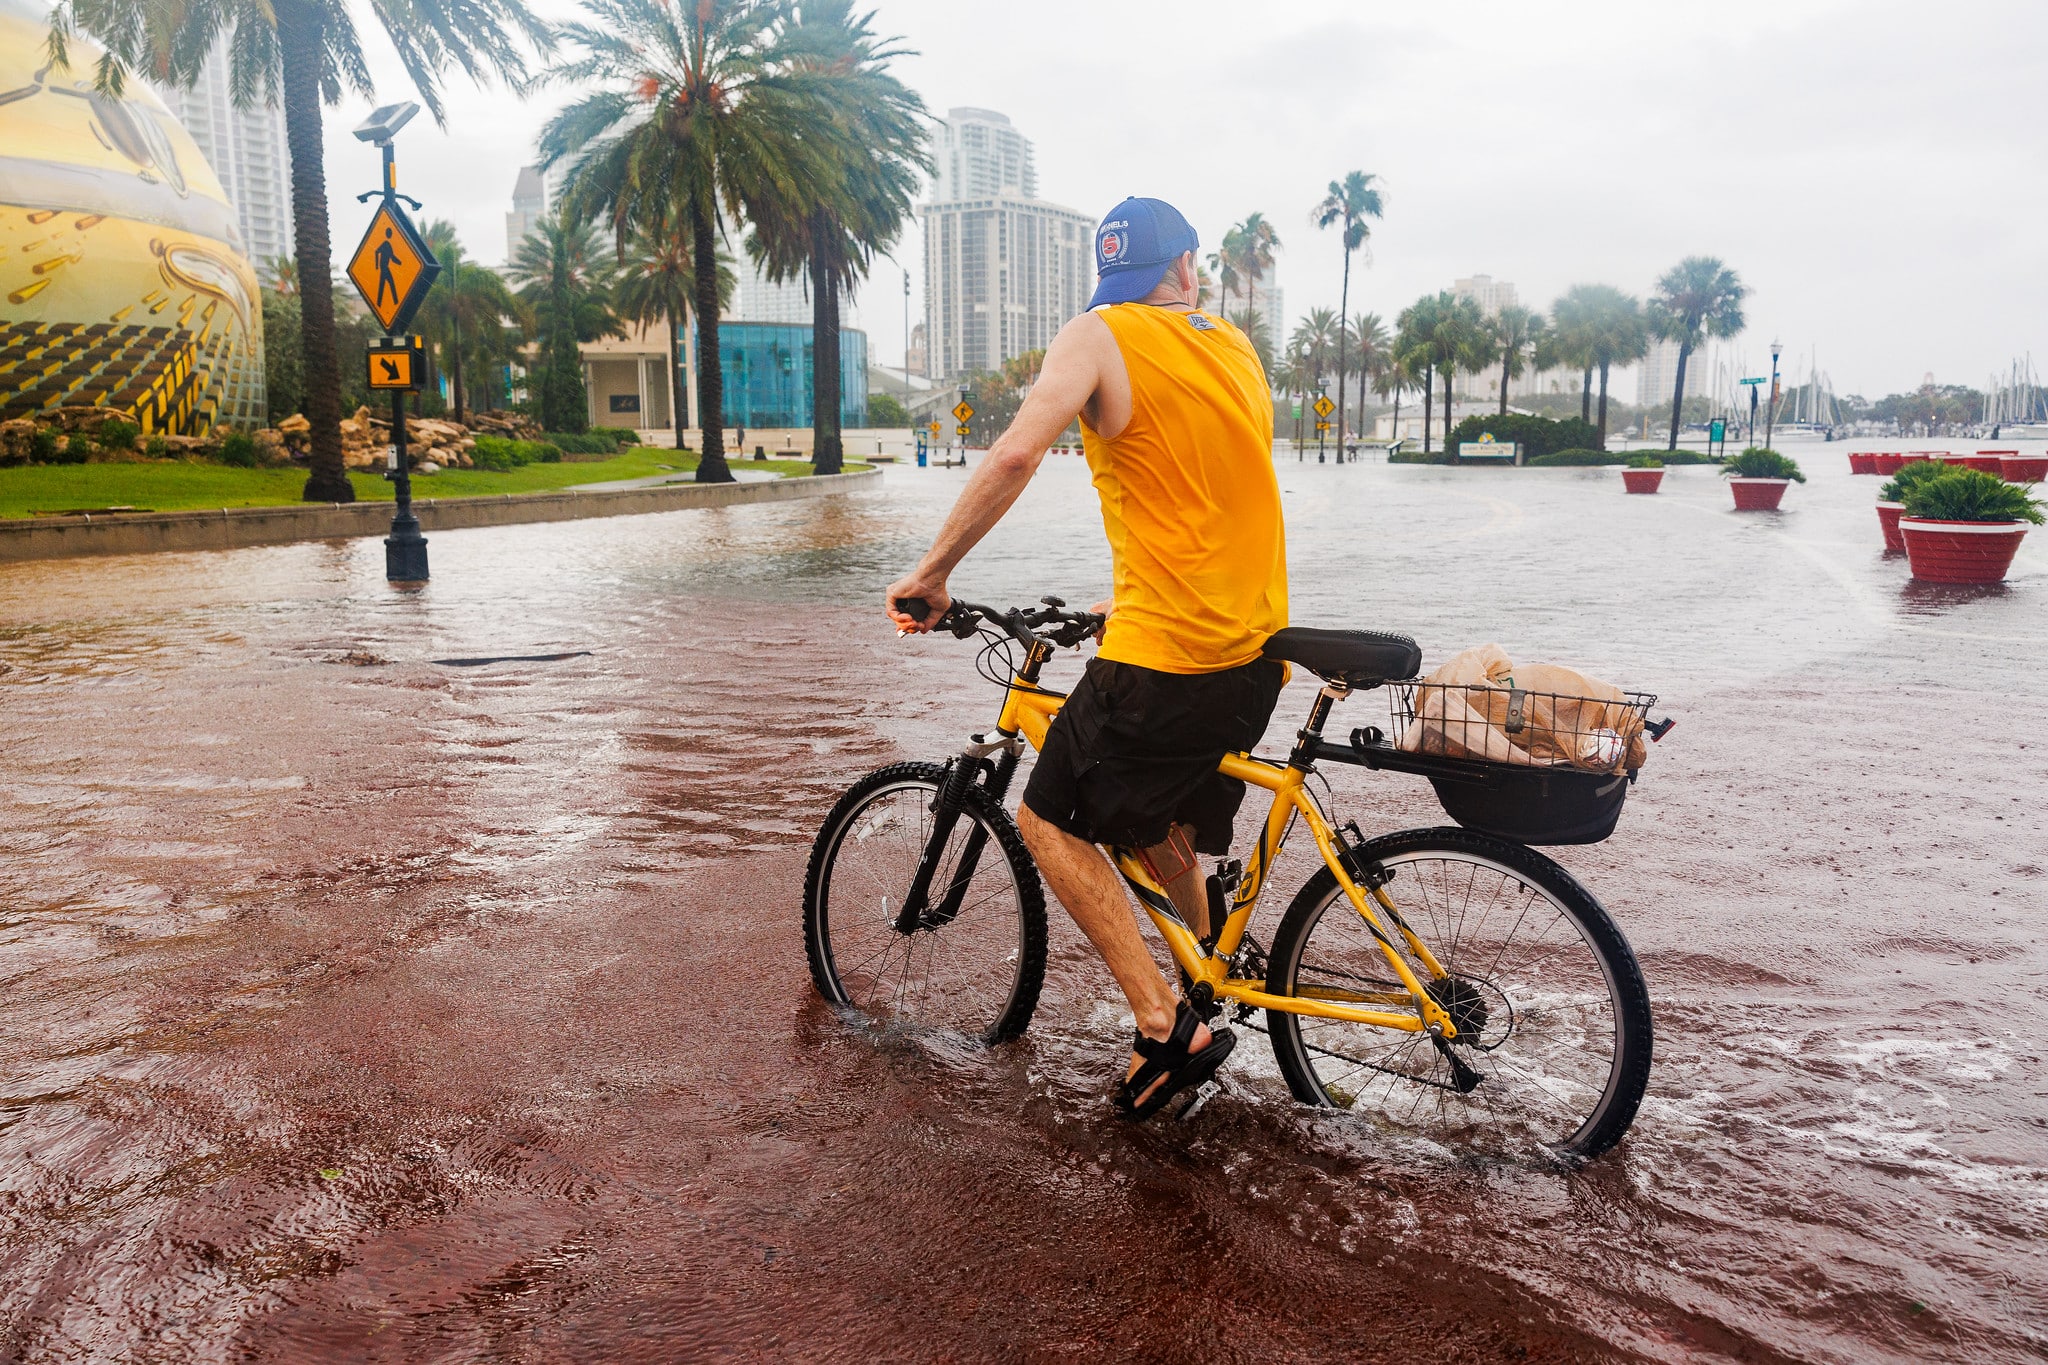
{"x": 1294, "y": 376}
{"x": 1349, "y": 202}
{"x": 1396, "y": 377}
{"x": 836, "y": 227}
{"x": 1225, "y": 261}
{"x": 303, "y": 53}
{"x": 655, "y": 286}
{"x": 1695, "y": 299}
{"x": 1415, "y": 348}
{"x": 1614, "y": 333}
{"x": 1569, "y": 338}
{"x": 696, "y": 118}
{"x": 1461, "y": 341}
{"x": 467, "y": 296}
{"x": 1515, "y": 332}
{"x": 563, "y": 276}
{"x": 1373, "y": 358}
{"x": 1256, "y": 243}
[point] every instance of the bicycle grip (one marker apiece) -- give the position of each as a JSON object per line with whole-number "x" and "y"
{"x": 916, "y": 608}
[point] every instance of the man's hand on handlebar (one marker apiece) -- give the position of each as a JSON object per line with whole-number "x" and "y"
{"x": 915, "y": 588}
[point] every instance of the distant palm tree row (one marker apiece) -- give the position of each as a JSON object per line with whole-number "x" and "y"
{"x": 703, "y": 118}
{"x": 1592, "y": 328}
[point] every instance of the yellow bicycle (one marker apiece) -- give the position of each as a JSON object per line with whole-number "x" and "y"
{"x": 1449, "y": 981}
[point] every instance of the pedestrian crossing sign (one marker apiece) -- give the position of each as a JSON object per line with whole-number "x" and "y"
{"x": 963, "y": 411}
{"x": 1324, "y": 407}
{"x": 392, "y": 268}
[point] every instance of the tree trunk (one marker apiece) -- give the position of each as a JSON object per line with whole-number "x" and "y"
{"x": 1586, "y": 395}
{"x": 1397, "y": 413}
{"x": 711, "y": 467}
{"x": 1450, "y": 387}
{"x": 1603, "y": 405}
{"x": 827, "y": 452}
{"x": 455, "y": 321}
{"x": 679, "y": 392}
{"x": 1428, "y": 404}
{"x": 1678, "y": 392}
{"x": 1507, "y": 358}
{"x": 1343, "y": 311}
{"x": 299, "y": 44}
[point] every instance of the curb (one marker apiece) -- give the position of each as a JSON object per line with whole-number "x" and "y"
{"x": 228, "y": 528}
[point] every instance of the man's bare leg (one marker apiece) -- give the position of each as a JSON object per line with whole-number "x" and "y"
{"x": 1176, "y": 861}
{"x": 1087, "y": 885}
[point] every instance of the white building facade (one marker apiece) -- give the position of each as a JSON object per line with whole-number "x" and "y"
{"x": 1003, "y": 269}
{"x": 247, "y": 150}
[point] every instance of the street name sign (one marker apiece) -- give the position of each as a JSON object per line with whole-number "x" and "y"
{"x": 392, "y": 268}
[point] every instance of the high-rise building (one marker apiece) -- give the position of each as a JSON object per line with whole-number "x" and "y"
{"x": 1490, "y": 294}
{"x": 1657, "y": 376}
{"x": 980, "y": 154}
{"x": 1003, "y": 269}
{"x": 756, "y": 298}
{"x": 246, "y": 149}
{"x": 529, "y": 206}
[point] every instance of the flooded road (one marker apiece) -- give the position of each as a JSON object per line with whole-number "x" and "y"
{"x": 360, "y": 1007}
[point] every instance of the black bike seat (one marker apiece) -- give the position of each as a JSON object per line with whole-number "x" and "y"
{"x": 1355, "y": 658}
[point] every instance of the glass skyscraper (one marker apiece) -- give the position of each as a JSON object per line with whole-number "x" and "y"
{"x": 767, "y": 369}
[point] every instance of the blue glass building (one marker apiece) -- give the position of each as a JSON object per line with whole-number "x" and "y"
{"x": 767, "y": 367}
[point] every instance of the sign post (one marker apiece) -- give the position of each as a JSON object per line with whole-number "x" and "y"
{"x": 963, "y": 413}
{"x": 393, "y": 270}
{"x": 1751, "y": 385}
{"x": 1323, "y": 408}
{"x": 1717, "y": 435}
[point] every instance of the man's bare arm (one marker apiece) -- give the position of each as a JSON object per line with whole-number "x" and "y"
{"x": 1072, "y": 373}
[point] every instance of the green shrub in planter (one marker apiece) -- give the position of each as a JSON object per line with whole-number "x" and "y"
{"x": 502, "y": 453}
{"x": 157, "y": 448}
{"x": 1645, "y": 462}
{"x": 1919, "y": 471}
{"x": 238, "y": 448}
{"x": 1959, "y": 494}
{"x": 1535, "y": 435}
{"x": 78, "y": 449}
{"x": 42, "y": 447}
{"x": 1760, "y": 463}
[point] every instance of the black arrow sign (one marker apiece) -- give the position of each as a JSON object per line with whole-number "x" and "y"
{"x": 390, "y": 370}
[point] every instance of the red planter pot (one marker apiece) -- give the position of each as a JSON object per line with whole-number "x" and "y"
{"x": 1862, "y": 462}
{"x": 1987, "y": 464}
{"x": 1890, "y": 462}
{"x": 1888, "y": 520}
{"x": 1641, "y": 480}
{"x": 1961, "y": 551}
{"x": 1758, "y": 495}
{"x": 2014, "y": 469}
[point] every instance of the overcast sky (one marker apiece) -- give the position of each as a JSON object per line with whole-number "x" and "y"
{"x": 1876, "y": 172}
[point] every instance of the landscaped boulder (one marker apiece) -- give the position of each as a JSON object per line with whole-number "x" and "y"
{"x": 17, "y": 439}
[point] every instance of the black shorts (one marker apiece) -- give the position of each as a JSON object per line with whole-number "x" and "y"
{"x": 1135, "y": 750}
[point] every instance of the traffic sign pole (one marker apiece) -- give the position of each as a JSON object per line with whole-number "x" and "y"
{"x": 393, "y": 270}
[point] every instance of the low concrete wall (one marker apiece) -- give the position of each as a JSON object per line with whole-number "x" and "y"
{"x": 227, "y": 528}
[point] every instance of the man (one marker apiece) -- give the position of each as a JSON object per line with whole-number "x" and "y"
{"x": 1177, "y": 424}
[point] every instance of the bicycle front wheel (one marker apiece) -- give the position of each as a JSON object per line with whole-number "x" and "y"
{"x": 975, "y": 962}
{"x": 1553, "y": 1019}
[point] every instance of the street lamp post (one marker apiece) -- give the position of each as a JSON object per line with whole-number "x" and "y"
{"x": 1771, "y": 417}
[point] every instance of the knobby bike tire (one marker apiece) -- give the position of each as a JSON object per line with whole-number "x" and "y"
{"x": 1629, "y": 1071}
{"x": 1014, "y": 1012}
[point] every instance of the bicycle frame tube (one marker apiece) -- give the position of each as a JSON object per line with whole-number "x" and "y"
{"x": 1029, "y": 711}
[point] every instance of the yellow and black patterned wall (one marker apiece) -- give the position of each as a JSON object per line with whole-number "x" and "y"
{"x": 122, "y": 279}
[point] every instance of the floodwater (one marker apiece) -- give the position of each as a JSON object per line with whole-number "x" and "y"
{"x": 360, "y": 1007}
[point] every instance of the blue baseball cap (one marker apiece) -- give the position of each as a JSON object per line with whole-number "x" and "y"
{"x": 1137, "y": 241}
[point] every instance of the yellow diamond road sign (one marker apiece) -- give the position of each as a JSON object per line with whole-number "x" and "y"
{"x": 1324, "y": 407}
{"x": 963, "y": 410}
{"x": 392, "y": 268}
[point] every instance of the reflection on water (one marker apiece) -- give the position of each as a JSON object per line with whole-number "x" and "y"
{"x": 359, "y": 1007}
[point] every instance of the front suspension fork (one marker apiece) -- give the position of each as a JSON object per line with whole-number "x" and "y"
{"x": 961, "y": 773}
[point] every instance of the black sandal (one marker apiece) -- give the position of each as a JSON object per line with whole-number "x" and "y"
{"x": 1171, "y": 1059}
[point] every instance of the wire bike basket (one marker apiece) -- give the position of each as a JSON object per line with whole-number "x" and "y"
{"x": 1535, "y": 767}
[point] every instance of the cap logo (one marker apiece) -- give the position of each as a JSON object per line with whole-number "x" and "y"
{"x": 1112, "y": 247}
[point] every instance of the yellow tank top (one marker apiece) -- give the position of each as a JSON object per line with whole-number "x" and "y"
{"x": 1189, "y": 497}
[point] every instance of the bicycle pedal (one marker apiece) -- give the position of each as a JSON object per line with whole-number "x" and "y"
{"x": 1201, "y": 1095}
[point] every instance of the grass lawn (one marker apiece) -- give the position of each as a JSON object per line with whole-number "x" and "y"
{"x": 170, "y": 486}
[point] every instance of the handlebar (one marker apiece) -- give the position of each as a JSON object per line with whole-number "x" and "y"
{"x": 1021, "y": 624}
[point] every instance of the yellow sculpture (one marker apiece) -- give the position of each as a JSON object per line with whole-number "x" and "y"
{"x": 123, "y": 283}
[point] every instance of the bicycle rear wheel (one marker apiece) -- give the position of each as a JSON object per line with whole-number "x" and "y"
{"x": 977, "y": 971}
{"x": 1553, "y": 1018}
